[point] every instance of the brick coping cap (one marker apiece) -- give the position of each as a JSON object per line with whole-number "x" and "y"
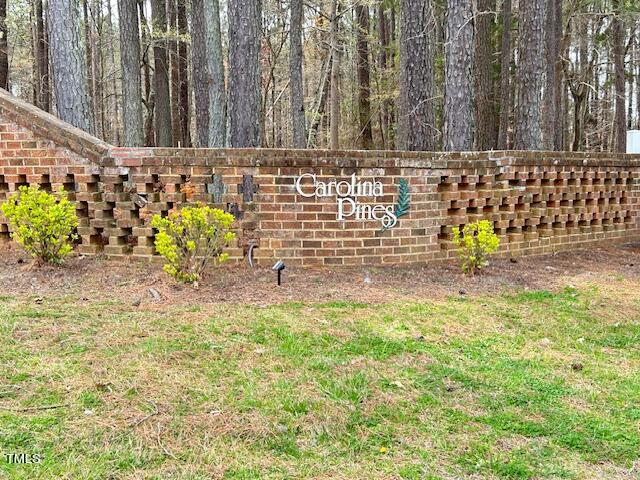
{"x": 52, "y": 128}
{"x": 320, "y": 153}
{"x": 269, "y": 157}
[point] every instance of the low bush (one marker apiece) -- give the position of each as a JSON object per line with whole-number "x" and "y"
{"x": 42, "y": 223}
{"x": 191, "y": 238}
{"x": 475, "y": 242}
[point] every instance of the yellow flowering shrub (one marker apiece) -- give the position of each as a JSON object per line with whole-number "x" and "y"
{"x": 475, "y": 243}
{"x": 191, "y": 238}
{"x": 42, "y": 223}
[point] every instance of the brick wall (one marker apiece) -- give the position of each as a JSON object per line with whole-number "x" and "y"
{"x": 539, "y": 202}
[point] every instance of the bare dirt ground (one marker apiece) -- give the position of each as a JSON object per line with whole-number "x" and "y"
{"x": 144, "y": 283}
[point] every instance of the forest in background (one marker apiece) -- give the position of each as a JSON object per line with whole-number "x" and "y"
{"x": 367, "y": 74}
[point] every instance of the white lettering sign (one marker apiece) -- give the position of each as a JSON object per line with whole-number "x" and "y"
{"x": 347, "y": 193}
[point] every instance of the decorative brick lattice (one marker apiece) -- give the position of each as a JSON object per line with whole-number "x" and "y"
{"x": 539, "y": 202}
{"x": 536, "y": 207}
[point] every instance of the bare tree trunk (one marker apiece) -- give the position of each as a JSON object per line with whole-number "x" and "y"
{"x": 319, "y": 104}
{"x": 619, "y": 124}
{"x": 97, "y": 64}
{"x": 383, "y": 39}
{"x": 43, "y": 96}
{"x": 183, "y": 67}
{"x": 528, "y": 127}
{"x": 550, "y": 98}
{"x": 578, "y": 85}
{"x": 4, "y": 47}
{"x": 162, "y": 112}
{"x": 208, "y": 74}
{"x": 73, "y": 104}
{"x": 458, "y": 97}
{"x": 579, "y": 113}
{"x": 593, "y": 109}
{"x": 217, "y": 93}
{"x": 298, "y": 121}
{"x": 245, "y": 19}
{"x": 637, "y": 79}
{"x": 174, "y": 71}
{"x": 560, "y": 93}
{"x": 505, "y": 75}
{"x": 272, "y": 108}
{"x": 115, "y": 116}
{"x": 364, "y": 72}
{"x": 90, "y": 78}
{"x": 578, "y": 74}
{"x": 33, "y": 31}
{"x": 335, "y": 76}
{"x": 608, "y": 117}
{"x": 589, "y": 64}
{"x": 386, "y": 21}
{"x": 200, "y": 72}
{"x": 149, "y": 96}
{"x": 392, "y": 108}
{"x": 486, "y": 118}
{"x": 417, "y": 121}
{"x": 46, "y": 66}
{"x": 630, "y": 85}
{"x": 131, "y": 79}
{"x": 565, "y": 121}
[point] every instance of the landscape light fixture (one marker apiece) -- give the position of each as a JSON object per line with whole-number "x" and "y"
{"x": 278, "y": 267}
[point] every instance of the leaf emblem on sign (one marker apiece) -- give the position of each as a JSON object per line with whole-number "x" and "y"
{"x": 402, "y": 207}
{"x": 403, "y": 204}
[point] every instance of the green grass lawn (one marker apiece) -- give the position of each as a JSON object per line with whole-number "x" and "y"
{"x": 528, "y": 385}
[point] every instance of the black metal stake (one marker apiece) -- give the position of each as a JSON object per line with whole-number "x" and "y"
{"x": 279, "y": 272}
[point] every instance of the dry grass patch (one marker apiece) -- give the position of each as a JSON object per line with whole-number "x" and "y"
{"x": 460, "y": 386}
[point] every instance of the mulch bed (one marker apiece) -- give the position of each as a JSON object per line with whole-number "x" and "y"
{"x": 143, "y": 283}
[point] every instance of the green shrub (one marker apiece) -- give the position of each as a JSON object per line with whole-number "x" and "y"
{"x": 475, "y": 243}
{"x": 192, "y": 237}
{"x": 42, "y": 223}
